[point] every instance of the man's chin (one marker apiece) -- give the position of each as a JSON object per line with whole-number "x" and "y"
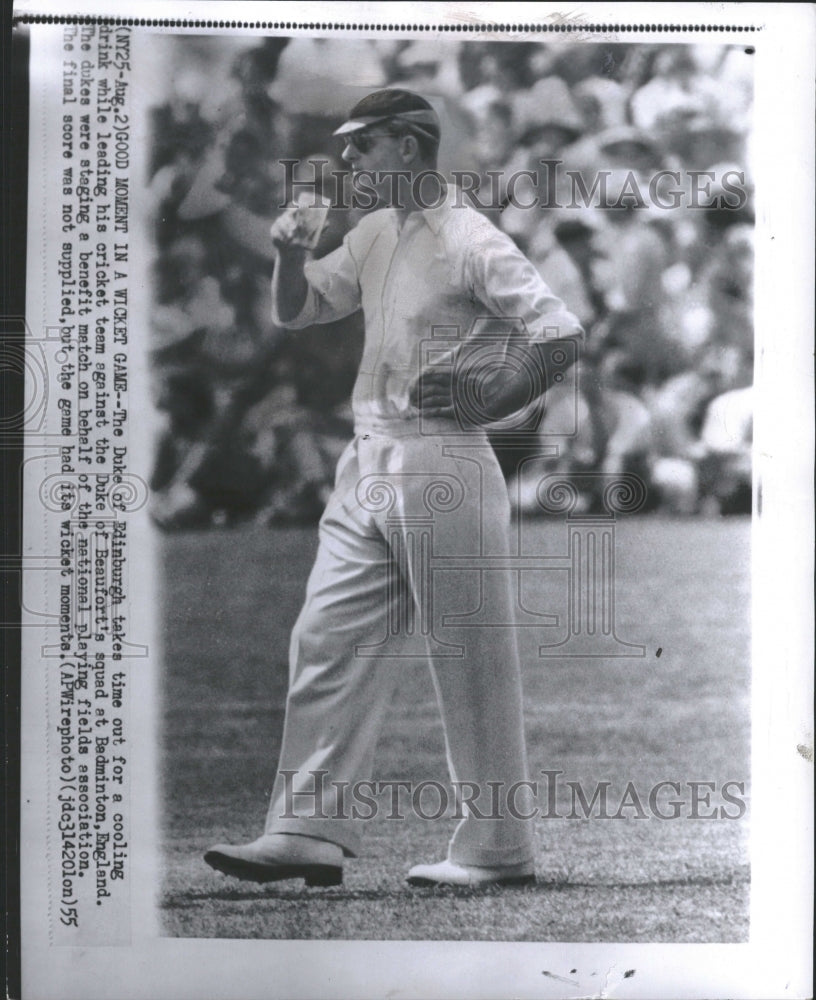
{"x": 363, "y": 188}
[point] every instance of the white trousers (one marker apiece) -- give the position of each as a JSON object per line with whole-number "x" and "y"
{"x": 379, "y": 592}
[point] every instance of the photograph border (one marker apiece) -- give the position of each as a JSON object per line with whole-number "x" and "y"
{"x": 777, "y": 955}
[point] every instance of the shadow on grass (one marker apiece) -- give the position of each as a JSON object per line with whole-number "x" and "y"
{"x": 340, "y": 895}
{"x": 542, "y": 885}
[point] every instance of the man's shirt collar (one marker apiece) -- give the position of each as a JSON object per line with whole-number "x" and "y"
{"x": 435, "y": 217}
{"x": 438, "y": 216}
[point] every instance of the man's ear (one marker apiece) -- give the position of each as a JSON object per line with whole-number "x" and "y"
{"x": 409, "y": 149}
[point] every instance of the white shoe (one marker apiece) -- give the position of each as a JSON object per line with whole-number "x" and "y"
{"x": 450, "y": 873}
{"x": 277, "y": 856}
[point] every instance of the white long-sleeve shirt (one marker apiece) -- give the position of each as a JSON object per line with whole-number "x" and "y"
{"x": 441, "y": 277}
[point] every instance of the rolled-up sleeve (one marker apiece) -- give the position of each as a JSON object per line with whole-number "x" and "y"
{"x": 509, "y": 286}
{"x": 333, "y": 290}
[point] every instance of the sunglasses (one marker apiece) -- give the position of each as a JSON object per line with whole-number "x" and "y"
{"x": 363, "y": 143}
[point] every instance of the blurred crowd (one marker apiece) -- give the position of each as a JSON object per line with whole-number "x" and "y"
{"x": 255, "y": 417}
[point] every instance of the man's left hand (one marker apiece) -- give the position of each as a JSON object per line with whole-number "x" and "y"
{"x": 432, "y": 393}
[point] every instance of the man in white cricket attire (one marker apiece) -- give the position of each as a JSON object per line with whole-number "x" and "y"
{"x": 414, "y": 270}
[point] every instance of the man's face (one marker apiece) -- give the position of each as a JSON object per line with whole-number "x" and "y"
{"x": 375, "y": 158}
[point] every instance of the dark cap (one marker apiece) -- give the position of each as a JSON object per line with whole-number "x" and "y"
{"x": 393, "y": 104}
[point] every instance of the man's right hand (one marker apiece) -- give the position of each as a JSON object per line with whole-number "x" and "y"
{"x": 289, "y": 286}
{"x": 286, "y": 235}
{"x": 300, "y": 226}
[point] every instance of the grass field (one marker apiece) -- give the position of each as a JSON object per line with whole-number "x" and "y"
{"x": 231, "y": 597}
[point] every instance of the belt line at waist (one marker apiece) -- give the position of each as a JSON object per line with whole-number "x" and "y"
{"x": 417, "y": 427}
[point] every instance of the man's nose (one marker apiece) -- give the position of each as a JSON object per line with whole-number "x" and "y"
{"x": 350, "y": 154}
